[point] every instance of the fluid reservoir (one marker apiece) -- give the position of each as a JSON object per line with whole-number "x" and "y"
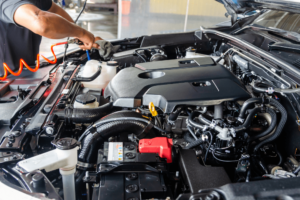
{"x": 108, "y": 71}
{"x": 86, "y": 101}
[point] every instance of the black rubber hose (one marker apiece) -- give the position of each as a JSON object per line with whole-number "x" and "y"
{"x": 280, "y": 126}
{"x": 248, "y": 120}
{"x": 194, "y": 144}
{"x": 90, "y": 144}
{"x": 174, "y": 115}
{"x": 192, "y": 122}
{"x": 246, "y": 106}
{"x": 88, "y": 79}
{"x": 260, "y": 89}
{"x": 87, "y": 115}
{"x": 271, "y": 126}
{"x": 188, "y": 138}
{"x": 210, "y": 143}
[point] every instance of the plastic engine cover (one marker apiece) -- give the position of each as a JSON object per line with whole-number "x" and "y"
{"x": 196, "y": 81}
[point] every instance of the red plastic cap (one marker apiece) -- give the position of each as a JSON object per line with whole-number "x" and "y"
{"x": 160, "y": 145}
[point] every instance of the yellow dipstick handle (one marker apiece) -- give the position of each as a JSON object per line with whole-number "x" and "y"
{"x": 152, "y": 109}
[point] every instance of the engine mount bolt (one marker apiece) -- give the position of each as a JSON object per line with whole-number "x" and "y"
{"x": 131, "y": 176}
{"x": 130, "y": 155}
{"x": 132, "y": 188}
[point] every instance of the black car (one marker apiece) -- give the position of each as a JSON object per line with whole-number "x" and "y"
{"x": 209, "y": 114}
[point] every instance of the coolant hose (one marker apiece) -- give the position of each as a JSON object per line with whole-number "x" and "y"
{"x": 246, "y": 106}
{"x": 188, "y": 138}
{"x": 88, "y": 79}
{"x": 270, "y": 128}
{"x": 204, "y": 120}
{"x": 87, "y": 115}
{"x": 174, "y": 115}
{"x": 260, "y": 89}
{"x": 280, "y": 126}
{"x": 192, "y": 122}
{"x": 90, "y": 144}
{"x": 194, "y": 144}
{"x": 248, "y": 120}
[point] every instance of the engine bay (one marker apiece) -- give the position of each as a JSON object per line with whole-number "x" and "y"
{"x": 180, "y": 116}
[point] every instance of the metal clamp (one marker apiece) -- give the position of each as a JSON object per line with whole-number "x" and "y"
{"x": 213, "y": 124}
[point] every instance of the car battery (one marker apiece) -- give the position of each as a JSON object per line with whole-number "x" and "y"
{"x": 124, "y": 152}
{"x": 128, "y": 174}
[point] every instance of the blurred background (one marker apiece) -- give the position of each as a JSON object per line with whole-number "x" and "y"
{"x": 113, "y": 19}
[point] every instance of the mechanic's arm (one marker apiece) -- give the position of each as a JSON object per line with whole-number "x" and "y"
{"x": 51, "y": 25}
{"x": 61, "y": 12}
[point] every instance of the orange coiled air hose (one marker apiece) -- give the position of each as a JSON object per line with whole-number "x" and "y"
{"x": 22, "y": 62}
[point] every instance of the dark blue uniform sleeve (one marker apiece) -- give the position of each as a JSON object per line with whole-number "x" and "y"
{"x": 8, "y": 7}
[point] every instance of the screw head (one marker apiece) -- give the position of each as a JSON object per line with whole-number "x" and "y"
{"x": 130, "y": 155}
{"x": 49, "y": 130}
{"x": 131, "y": 176}
{"x": 132, "y": 188}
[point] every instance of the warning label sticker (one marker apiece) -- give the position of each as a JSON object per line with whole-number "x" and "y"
{"x": 115, "y": 151}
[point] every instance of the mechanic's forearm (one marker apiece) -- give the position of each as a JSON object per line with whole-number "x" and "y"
{"x": 54, "y": 26}
{"x": 58, "y": 10}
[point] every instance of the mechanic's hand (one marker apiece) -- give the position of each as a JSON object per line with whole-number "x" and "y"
{"x": 88, "y": 40}
{"x": 96, "y": 39}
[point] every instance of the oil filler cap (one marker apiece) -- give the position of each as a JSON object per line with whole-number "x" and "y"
{"x": 65, "y": 143}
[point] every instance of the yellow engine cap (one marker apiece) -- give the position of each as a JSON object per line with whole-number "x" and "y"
{"x": 152, "y": 109}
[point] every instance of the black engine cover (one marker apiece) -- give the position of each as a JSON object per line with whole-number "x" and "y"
{"x": 197, "y": 81}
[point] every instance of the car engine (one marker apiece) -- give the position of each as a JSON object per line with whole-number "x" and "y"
{"x": 166, "y": 117}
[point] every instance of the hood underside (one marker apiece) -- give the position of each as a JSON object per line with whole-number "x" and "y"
{"x": 242, "y": 6}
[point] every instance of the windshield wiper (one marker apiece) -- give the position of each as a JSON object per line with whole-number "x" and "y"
{"x": 283, "y": 33}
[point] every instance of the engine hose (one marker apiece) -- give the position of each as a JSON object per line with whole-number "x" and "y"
{"x": 248, "y": 120}
{"x": 296, "y": 171}
{"x": 107, "y": 129}
{"x": 88, "y": 131}
{"x": 277, "y": 90}
{"x": 280, "y": 126}
{"x": 263, "y": 167}
{"x": 240, "y": 128}
{"x": 192, "y": 132}
{"x": 204, "y": 120}
{"x": 188, "y": 138}
{"x": 87, "y": 115}
{"x": 271, "y": 126}
{"x": 194, "y": 144}
{"x": 88, "y": 79}
{"x": 174, "y": 115}
{"x": 192, "y": 122}
{"x": 246, "y": 106}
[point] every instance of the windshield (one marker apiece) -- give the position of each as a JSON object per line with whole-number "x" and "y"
{"x": 279, "y": 19}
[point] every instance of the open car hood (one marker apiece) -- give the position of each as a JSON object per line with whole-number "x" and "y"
{"x": 242, "y": 6}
